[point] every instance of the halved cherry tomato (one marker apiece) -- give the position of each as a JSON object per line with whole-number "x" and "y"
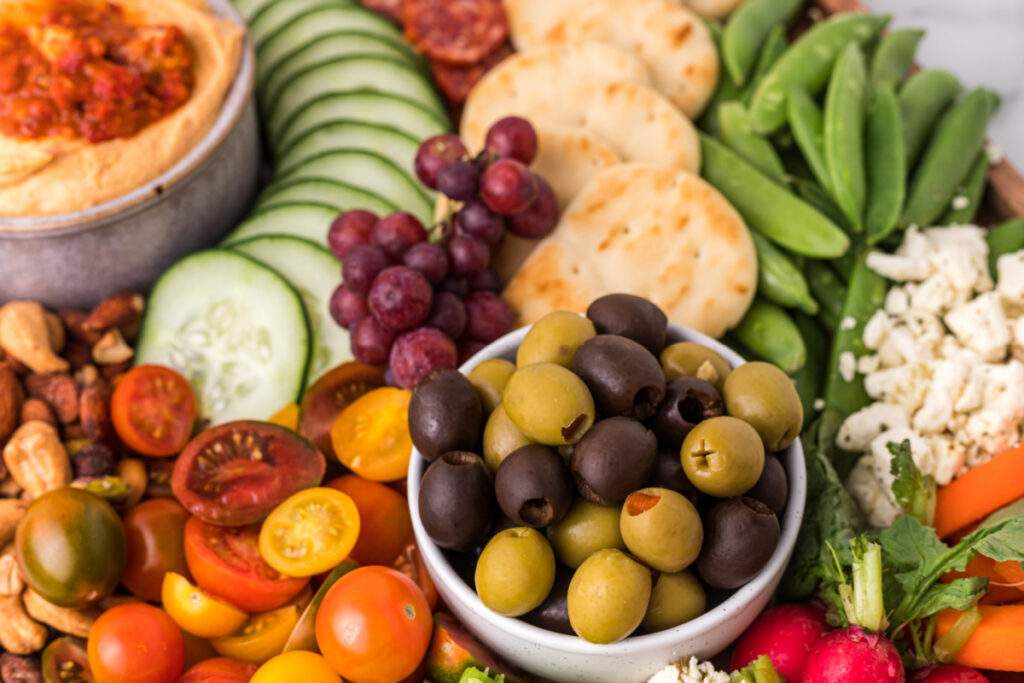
{"x": 370, "y": 611}
{"x": 371, "y": 436}
{"x": 330, "y": 394}
{"x": 260, "y": 638}
{"x": 154, "y": 532}
{"x": 299, "y": 665}
{"x": 219, "y": 670}
{"x": 196, "y": 649}
{"x": 153, "y": 409}
{"x": 384, "y": 521}
{"x": 311, "y": 532}
{"x": 236, "y": 473}
{"x": 411, "y": 563}
{"x": 226, "y": 562}
{"x": 287, "y": 417}
{"x": 198, "y": 612}
{"x": 136, "y": 643}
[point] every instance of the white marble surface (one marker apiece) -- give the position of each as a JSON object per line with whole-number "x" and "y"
{"x": 982, "y": 42}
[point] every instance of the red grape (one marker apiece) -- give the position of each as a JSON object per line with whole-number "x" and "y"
{"x": 458, "y": 180}
{"x": 429, "y": 260}
{"x": 508, "y": 187}
{"x": 486, "y": 280}
{"x": 476, "y": 220}
{"x": 514, "y": 137}
{"x": 489, "y": 316}
{"x": 361, "y": 265}
{"x": 448, "y": 314}
{"x": 347, "y": 307}
{"x": 468, "y": 349}
{"x": 396, "y": 233}
{"x": 350, "y": 229}
{"x": 468, "y": 254}
{"x": 400, "y": 298}
{"x": 370, "y": 341}
{"x": 540, "y": 217}
{"x": 459, "y": 286}
{"x": 434, "y": 154}
{"x": 416, "y": 353}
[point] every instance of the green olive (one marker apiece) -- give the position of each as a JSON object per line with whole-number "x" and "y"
{"x": 608, "y": 596}
{"x": 766, "y": 398}
{"x": 723, "y": 456}
{"x": 662, "y": 528}
{"x": 690, "y": 359}
{"x": 515, "y": 571}
{"x": 489, "y": 379}
{"x": 501, "y": 437}
{"x": 675, "y": 599}
{"x": 554, "y": 339}
{"x": 549, "y": 404}
{"x": 586, "y": 529}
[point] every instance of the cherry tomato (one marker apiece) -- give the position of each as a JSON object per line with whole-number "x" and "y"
{"x": 329, "y": 395}
{"x": 370, "y": 611}
{"x": 135, "y": 643}
{"x": 155, "y": 535}
{"x": 411, "y": 563}
{"x": 219, "y": 670}
{"x": 198, "y": 612}
{"x": 311, "y": 532}
{"x": 196, "y": 649}
{"x": 154, "y": 410}
{"x": 384, "y": 521}
{"x": 307, "y": 667}
{"x": 226, "y": 562}
{"x": 260, "y": 638}
{"x": 371, "y": 436}
{"x": 287, "y": 417}
{"x": 236, "y": 473}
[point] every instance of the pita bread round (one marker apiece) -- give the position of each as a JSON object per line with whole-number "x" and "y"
{"x": 670, "y": 37}
{"x": 661, "y": 234}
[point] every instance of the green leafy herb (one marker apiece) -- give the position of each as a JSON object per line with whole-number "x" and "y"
{"x": 914, "y": 491}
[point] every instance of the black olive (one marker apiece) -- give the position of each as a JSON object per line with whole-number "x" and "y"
{"x": 624, "y": 378}
{"x": 533, "y": 487}
{"x": 740, "y": 535}
{"x": 772, "y": 488}
{"x": 688, "y": 402}
{"x": 669, "y": 474}
{"x": 630, "y": 316}
{"x": 445, "y": 414}
{"x": 614, "y": 458}
{"x": 553, "y": 613}
{"x": 457, "y": 500}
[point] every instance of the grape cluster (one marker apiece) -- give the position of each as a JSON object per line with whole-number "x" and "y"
{"x": 417, "y": 300}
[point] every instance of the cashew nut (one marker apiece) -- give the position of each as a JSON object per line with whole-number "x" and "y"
{"x": 20, "y": 634}
{"x": 11, "y": 581}
{"x": 112, "y": 349}
{"x": 11, "y": 512}
{"x": 36, "y": 459}
{"x": 25, "y": 335}
{"x": 64, "y": 619}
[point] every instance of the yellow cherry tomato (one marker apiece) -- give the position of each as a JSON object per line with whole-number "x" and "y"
{"x": 299, "y": 665}
{"x": 310, "y": 532}
{"x": 371, "y": 435}
{"x": 196, "y": 611}
{"x": 260, "y": 638}
{"x": 287, "y": 417}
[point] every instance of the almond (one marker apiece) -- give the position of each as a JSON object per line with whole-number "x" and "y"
{"x": 59, "y": 390}
{"x": 115, "y": 311}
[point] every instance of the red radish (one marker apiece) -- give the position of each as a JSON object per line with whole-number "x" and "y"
{"x": 949, "y": 673}
{"x": 785, "y": 634}
{"x": 853, "y": 655}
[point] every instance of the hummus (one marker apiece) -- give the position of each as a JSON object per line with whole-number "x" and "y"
{"x": 62, "y": 175}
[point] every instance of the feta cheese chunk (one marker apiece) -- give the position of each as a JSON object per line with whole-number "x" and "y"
{"x": 860, "y": 429}
{"x": 1010, "y": 268}
{"x": 981, "y": 325}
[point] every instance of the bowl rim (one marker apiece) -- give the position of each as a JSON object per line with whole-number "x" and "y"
{"x": 442, "y": 571}
{"x": 232, "y": 109}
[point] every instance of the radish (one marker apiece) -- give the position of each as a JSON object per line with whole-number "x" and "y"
{"x": 785, "y": 634}
{"x": 853, "y": 655}
{"x": 949, "y": 673}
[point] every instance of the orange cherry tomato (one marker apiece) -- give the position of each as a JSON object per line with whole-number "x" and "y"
{"x": 411, "y": 563}
{"x": 154, "y": 532}
{"x": 369, "y": 611}
{"x": 287, "y": 417}
{"x": 219, "y": 670}
{"x": 371, "y": 436}
{"x": 385, "y": 524}
{"x": 153, "y": 409}
{"x": 329, "y": 395}
{"x": 135, "y": 643}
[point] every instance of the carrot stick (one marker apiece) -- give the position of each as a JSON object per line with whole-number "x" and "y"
{"x": 980, "y": 492}
{"x": 1000, "y": 591}
{"x": 998, "y": 642}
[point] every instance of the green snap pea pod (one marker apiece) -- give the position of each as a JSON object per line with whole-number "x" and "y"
{"x": 774, "y": 45}
{"x": 807, "y": 64}
{"x": 810, "y": 378}
{"x": 807, "y": 126}
{"x": 737, "y": 134}
{"x": 1005, "y": 238}
{"x": 923, "y": 98}
{"x": 768, "y": 207}
{"x": 828, "y": 291}
{"x": 967, "y": 198}
{"x": 771, "y": 334}
{"x": 812, "y": 193}
{"x": 948, "y": 158}
{"x": 894, "y": 56}
{"x": 746, "y": 30}
{"x": 778, "y": 278}
{"x": 843, "y": 266}
{"x": 886, "y": 164}
{"x": 843, "y": 134}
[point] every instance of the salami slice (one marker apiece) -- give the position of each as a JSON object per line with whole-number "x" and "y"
{"x": 456, "y": 81}
{"x": 457, "y": 32}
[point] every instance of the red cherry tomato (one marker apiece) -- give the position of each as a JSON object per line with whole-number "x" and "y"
{"x": 153, "y": 410}
{"x": 155, "y": 535}
{"x": 219, "y": 670}
{"x": 329, "y": 395}
{"x": 135, "y": 643}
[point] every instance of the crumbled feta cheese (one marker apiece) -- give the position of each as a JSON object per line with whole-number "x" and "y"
{"x": 981, "y": 325}
{"x": 876, "y": 503}
{"x": 819, "y": 404}
{"x": 896, "y": 301}
{"x": 876, "y": 329}
{"x": 848, "y": 323}
{"x": 847, "y": 366}
{"x": 689, "y": 671}
{"x": 1010, "y": 268}
{"x": 896, "y": 267}
{"x": 960, "y": 202}
{"x": 860, "y": 429}
{"x": 995, "y": 154}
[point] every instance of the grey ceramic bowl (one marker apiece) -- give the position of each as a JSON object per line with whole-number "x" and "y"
{"x": 79, "y": 258}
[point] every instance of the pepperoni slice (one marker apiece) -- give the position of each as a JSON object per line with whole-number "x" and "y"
{"x": 460, "y": 32}
{"x": 456, "y": 81}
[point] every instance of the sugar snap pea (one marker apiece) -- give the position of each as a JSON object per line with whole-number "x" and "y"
{"x": 807, "y": 126}
{"x": 771, "y": 334}
{"x": 778, "y": 278}
{"x": 1005, "y": 238}
{"x": 828, "y": 291}
{"x": 774, "y": 45}
{"x": 843, "y": 134}
{"x": 746, "y": 30}
{"x": 923, "y": 98}
{"x": 738, "y": 135}
{"x": 769, "y": 208}
{"x": 886, "y": 164}
{"x": 813, "y": 194}
{"x": 894, "y": 56}
{"x": 965, "y": 202}
{"x": 843, "y": 266}
{"x": 948, "y": 157}
{"x": 808, "y": 379}
{"x": 807, "y": 64}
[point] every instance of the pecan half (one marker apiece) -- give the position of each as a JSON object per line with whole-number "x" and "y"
{"x": 10, "y": 401}
{"x": 18, "y": 669}
{"x": 115, "y": 311}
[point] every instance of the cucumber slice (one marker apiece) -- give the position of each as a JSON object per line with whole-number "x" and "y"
{"x": 372, "y": 172}
{"x": 363, "y": 105}
{"x": 390, "y": 143}
{"x": 270, "y": 18}
{"x": 338, "y": 195}
{"x": 376, "y": 73}
{"x": 250, "y": 9}
{"x": 235, "y": 328}
{"x": 315, "y": 273}
{"x": 310, "y": 221}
